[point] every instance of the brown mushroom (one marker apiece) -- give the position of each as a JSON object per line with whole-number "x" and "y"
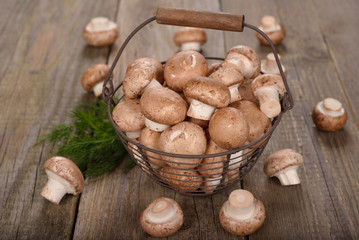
{"x": 162, "y": 108}
{"x": 150, "y": 139}
{"x": 245, "y": 59}
{"x": 245, "y": 92}
{"x": 212, "y": 166}
{"x": 206, "y": 95}
{"x": 100, "y": 31}
{"x": 272, "y": 29}
{"x": 64, "y": 177}
{"x": 93, "y": 77}
{"x": 269, "y": 89}
{"x": 269, "y": 65}
{"x": 139, "y": 75}
{"x": 202, "y": 123}
{"x": 329, "y": 115}
{"x": 232, "y": 78}
{"x": 210, "y": 184}
{"x": 213, "y": 67}
{"x": 258, "y": 122}
{"x": 242, "y": 214}
{"x": 183, "y": 138}
{"x": 283, "y": 164}
{"x": 183, "y": 66}
{"x": 162, "y": 217}
{"x": 182, "y": 180}
{"x": 228, "y": 128}
{"x": 190, "y": 38}
{"x": 128, "y": 117}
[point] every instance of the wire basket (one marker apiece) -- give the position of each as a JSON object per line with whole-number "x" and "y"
{"x": 230, "y": 166}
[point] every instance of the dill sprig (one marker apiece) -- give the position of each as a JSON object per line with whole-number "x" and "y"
{"x": 89, "y": 141}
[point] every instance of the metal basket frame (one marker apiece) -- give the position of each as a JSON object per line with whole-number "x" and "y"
{"x": 230, "y": 175}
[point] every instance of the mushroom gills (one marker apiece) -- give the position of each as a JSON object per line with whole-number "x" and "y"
{"x": 97, "y": 89}
{"x": 195, "y": 46}
{"x": 154, "y": 126}
{"x": 56, "y": 187}
{"x": 288, "y": 176}
{"x": 234, "y": 92}
{"x": 269, "y": 101}
{"x": 161, "y": 212}
{"x": 200, "y": 110}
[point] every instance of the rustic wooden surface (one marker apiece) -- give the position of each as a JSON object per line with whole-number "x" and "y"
{"x": 43, "y": 55}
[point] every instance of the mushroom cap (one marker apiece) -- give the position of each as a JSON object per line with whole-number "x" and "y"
{"x": 244, "y": 227}
{"x": 150, "y": 139}
{"x": 183, "y": 66}
{"x": 163, "y": 105}
{"x": 93, "y": 75}
{"x": 280, "y": 160}
{"x": 267, "y": 80}
{"x": 128, "y": 116}
{"x": 235, "y": 54}
{"x": 68, "y": 170}
{"x": 162, "y": 229}
{"x": 213, "y": 67}
{"x": 190, "y": 34}
{"x": 228, "y": 128}
{"x": 208, "y": 164}
{"x": 185, "y": 138}
{"x": 183, "y": 180}
{"x": 100, "y": 31}
{"x": 257, "y": 121}
{"x": 208, "y": 91}
{"x": 325, "y": 121}
{"x": 202, "y": 123}
{"x": 139, "y": 74}
{"x": 228, "y": 75}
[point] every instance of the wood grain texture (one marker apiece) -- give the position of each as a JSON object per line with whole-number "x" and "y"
{"x": 315, "y": 208}
{"x": 42, "y": 58}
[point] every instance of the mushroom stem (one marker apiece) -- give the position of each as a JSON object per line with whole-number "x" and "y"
{"x": 240, "y": 205}
{"x": 200, "y": 110}
{"x": 135, "y": 134}
{"x": 97, "y": 89}
{"x": 154, "y": 126}
{"x": 161, "y": 212}
{"x": 288, "y": 176}
{"x": 152, "y": 84}
{"x": 269, "y": 101}
{"x": 195, "y": 46}
{"x": 210, "y": 184}
{"x": 331, "y": 107}
{"x": 235, "y": 161}
{"x": 53, "y": 190}
{"x": 234, "y": 92}
{"x": 242, "y": 63}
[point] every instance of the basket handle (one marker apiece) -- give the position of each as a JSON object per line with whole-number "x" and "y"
{"x": 201, "y": 19}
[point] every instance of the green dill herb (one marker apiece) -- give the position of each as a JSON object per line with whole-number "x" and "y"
{"x": 89, "y": 141}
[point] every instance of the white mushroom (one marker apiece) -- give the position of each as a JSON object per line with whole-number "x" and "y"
{"x": 283, "y": 164}
{"x": 162, "y": 217}
{"x": 64, "y": 177}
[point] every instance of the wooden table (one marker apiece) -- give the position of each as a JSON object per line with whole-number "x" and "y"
{"x": 43, "y": 56}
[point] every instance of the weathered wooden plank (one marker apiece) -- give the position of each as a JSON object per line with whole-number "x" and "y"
{"x": 42, "y": 59}
{"x": 318, "y": 202}
{"x": 130, "y": 193}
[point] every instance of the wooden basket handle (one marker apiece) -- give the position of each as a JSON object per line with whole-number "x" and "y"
{"x": 202, "y": 19}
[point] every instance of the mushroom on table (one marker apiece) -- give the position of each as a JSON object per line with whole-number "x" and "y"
{"x": 283, "y": 164}
{"x": 93, "y": 77}
{"x": 190, "y": 38}
{"x": 272, "y": 29}
{"x": 269, "y": 65}
{"x": 100, "y": 31}
{"x": 242, "y": 214}
{"x": 63, "y": 177}
{"x": 329, "y": 115}
{"x": 162, "y": 217}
